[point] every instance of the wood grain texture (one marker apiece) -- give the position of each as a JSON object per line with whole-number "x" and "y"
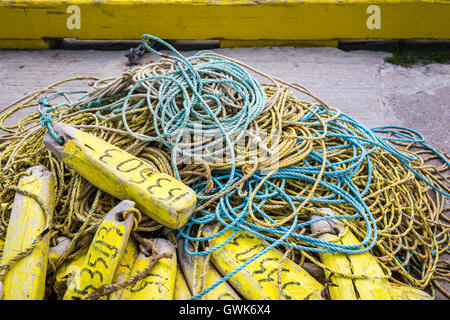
{"x": 181, "y": 291}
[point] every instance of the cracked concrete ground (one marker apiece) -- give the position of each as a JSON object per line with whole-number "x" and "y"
{"x": 359, "y": 83}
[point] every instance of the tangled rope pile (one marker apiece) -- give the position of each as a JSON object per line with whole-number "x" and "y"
{"x": 385, "y": 184}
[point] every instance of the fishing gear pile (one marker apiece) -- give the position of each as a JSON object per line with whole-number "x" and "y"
{"x": 189, "y": 179}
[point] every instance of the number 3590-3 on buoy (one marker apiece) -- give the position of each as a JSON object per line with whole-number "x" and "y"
{"x": 124, "y": 176}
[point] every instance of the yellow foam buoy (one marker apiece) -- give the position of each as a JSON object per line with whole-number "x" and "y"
{"x": 104, "y": 253}
{"x": 27, "y": 221}
{"x": 376, "y": 287}
{"x": 258, "y": 280}
{"x": 2, "y": 245}
{"x": 222, "y": 292}
{"x": 125, "y": 266}
{"x": 160, "y": 283}
{"x": 124, "y": 176}
{"x": 67, "y": 271}
{"x": 182, "y": 290}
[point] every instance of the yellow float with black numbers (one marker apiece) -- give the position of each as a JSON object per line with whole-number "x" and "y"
{"x": 258, "y": 280}
{"x": 346, "y": 288}
{"x": 182, "y": 290}
{"x": 375, "y": 287}
{"x": 2, "y": 245}
{"x": 222, "y": 292}
{"x": 28, "y": 221}
{"x": 124, "y": 176}
{"x": 104, "y": 253}
{"x": 160, "y": 283}
{"x": 404, "y": 292}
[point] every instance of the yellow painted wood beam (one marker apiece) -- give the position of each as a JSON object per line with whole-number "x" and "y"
{"x": 224, "y": 19}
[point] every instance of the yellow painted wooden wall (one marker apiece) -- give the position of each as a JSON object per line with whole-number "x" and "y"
{"x": 24, "y": 23}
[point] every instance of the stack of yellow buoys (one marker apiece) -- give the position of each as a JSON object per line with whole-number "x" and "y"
{"x": 93, "y": 207}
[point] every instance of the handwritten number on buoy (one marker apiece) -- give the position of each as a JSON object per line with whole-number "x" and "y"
{"x": 158, "y": 184}
{"x": 74, "y": 20}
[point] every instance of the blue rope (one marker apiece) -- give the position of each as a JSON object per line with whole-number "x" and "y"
{"x": 337, "y": 178}
{"x": 199, "y": 105}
